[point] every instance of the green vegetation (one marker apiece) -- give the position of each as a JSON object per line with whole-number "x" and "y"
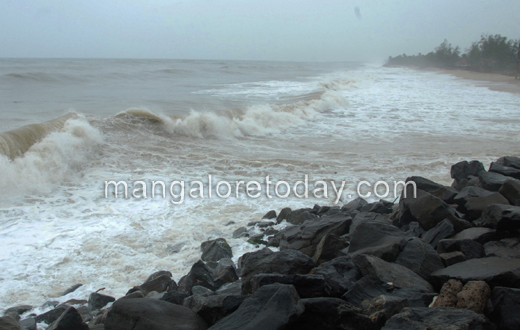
{"x": 490, "y": 53}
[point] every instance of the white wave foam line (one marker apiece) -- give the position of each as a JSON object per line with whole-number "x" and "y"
{"x": 256, "y": 120}
{"x": 51, "y": 161}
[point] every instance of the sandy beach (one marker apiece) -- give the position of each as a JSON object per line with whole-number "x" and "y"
{"x": 493, "y": 81}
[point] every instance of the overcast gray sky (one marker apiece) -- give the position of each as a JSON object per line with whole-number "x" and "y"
{"x": 304, "y": 30}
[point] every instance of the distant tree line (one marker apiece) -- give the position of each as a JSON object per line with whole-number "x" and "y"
{"x": 490, "y": 53}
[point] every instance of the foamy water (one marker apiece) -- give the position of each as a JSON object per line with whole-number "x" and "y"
{"x": 185, "y": 120}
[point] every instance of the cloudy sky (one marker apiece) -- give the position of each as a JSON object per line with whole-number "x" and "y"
{"x": 289, "y": 30}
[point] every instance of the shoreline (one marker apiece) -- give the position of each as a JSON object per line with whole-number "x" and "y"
{"x": 493, "y": 81}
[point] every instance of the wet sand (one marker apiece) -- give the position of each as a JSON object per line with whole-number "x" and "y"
{"x": 493, "y": 81}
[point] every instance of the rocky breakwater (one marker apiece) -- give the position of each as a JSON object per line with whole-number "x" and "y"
{"x": 448, "y": 258}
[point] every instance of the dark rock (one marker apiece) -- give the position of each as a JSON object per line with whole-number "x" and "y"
{"x": 234, "y": 288}
{"x": 419, "y": 257}
{"x": 400, "y": 276}
{"x": 307, "y": 236}
{"x": 151, "y": 314}
{"x": 494, "y": 270}
{"x": 354, "y": 205}
{"x": 340, "y": 275}
{"x": 175, "y": 248}
{"x": 502, "y": 217}
{"x": 71, "y": 289}
{"x": 478, "y": 234}
{"x": 70, "y": 319}
{"x": 444, "y": 193}
{"x": 199, "y": 290}
{"x": 474, "y": 296}
{"x": 383, "y": 307}
{"x": 452, "y": 258}
{"x": 463, "y": 170}
{"x": 426, "y": 209}
{"x": 84, "y": 311}
{"x": 272, "y": 306}
{"x": 328, "y": 248}
{"x": 362, "y": 217}
{"x": 226, "y": 275}
{"x": 509, "y": 161}
{"x": 200, "y": 274}
{"x": 286, "y": 262}
{"x": 416, "y": 230}
{"x": 423, "y": 318}
{"x": 52, "y": 315}
{"x": 379, "y": 239}
{"x": 135, "y": 294}
{"x": 381, "y": 208}
{"x": 298, "y": 217}
{"x": 175, "y": 297}
{"x": 157, "y": 275}
{"x": 320, "y": 313}
{"x": 215, "y": 250}
{"x": 284, "y": 214}
{"x": 97, "y": 301}
{"x": 505, "y": 248}
{"x": 448, "y": 295}
{"x": 511, "y": 191}
{"x": 307, "y": 286}
{"x": 473, "y": 200}
{"x": 491, "y": 181}
{"x": 270, "y": 215}
{"x": 441, "y": 231}
{"x": 29, "y": 324}
{"x": 470, "y": 248}
{"x": 504, "y": 170}
{"x": 9, "y": 323}
{"x": 18, "y": 310}
{"x": 160, "y": 283}
{"x": 214, "y": 308}
{"x": 506, "y": 304}
{"x": 265, "y": 224}
{"x": 240, "y": 232}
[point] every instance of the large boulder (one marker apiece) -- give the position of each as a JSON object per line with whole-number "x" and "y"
{"x": 423, "y": 318}
{"x": 463, "y": 170}
{"x": 376, "y": 238}
{"x": 9, "y": 323}
{"x": 470, "y": 248}
{"x": 213, "y": 308}
{"x": 505, "y": 306}
{"x": 493, "y": 270}
{"x": 474, "y": 296}
{"x": 492, "y": 181}
{"x": 158, "y": 282}
{"x": 420, "y": 257}
{"x": 340, "y": 275}
{"x": 442, "y": 192}
{"x": 320, "y": 313}
{"x": 273, "y": 306}
{"x": 151, "y": 314}
{"x": 505, "y": 248}
{"x": 448, "y": 295}
{"x": 362, "y": 217}
{"x": 70, "y": 319}
{"x": 504, "y": 170}
{"x": 441, "y": 231}
{"x": 480, "y": 235}
{"x": 502, "y": 217}
{"x": 200, "y": 274}
{"x": 265, "y": 261}
{"x": 511, "y": 191}
{"x": 473, "y": 200}
{"x": 307, "y": 286}
{"x": 509, "y": 161}
{"x": 399, "y": 276}
{"x": 215, "y": 250}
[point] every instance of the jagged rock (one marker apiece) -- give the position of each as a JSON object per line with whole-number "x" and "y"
{"x": 135, "y": 294}
{"x": 426, "y": 209}
{"x": 419, "y": 257}
{"x": 214, "y": 308}
{"x": 340, "y": 275}
{"x": 159, "y": 282}
{"x": 320, "y": 313}
{"x": 448, "y": 295}
{"x": 400, "y": 276}
{"x": 97, "y": 301}
{"x": 478, "y": 234}
{"x": 284, "y": 214}
{"x": 505, "y": 306}
{"x": 511, "y": 191}
{"x": 474, "y": 296}
{"x": 175, "y": 297}
{"x": 299, "y": 216}
{"x": 265, "y": 261}
{"x": 470, "y": 248}
{"x": 52, "y": 315}
{"x": 272, "y": 306}
{"x": 491, "y": 181}
{"x": 452, "y": 258}
{"x": 379, "y": 239}
{"x": 423, "y": 318}
{"x": 215, "y": 250}
{"x": 362, "y": 217}
{"x": 493, "y": 270}
{"x": 504, "y": 170}
{"x": 473, "y": 200}
{"x": 151, "y": 314}
{"x": 444, "y": 193}
{"x": 441, "y": 231}
{"x": 354, "y": 205}
{"x": 226, "y": 275}
{"x": 200, "y": 274}
{"x": 199, "y": 290}
{"x": 416, "y": 230}
{"x": 307, "y": 236}
{"x": 9, "y": 323}
{"x": 509, "y": 161}
{"x": 328, "y": 248}
{"x": 381, "y": 208}
{"x": 505, "y": 248}
{"x": 463, "y": 170}
{"x": 270, "y": 215}
{"x": 240, "y": 232}
{"x": 71, "y": 289}
{"x": 18, "y": 310}
{"x": 234, "y": 288}
{"x": 70, "y": 319}
{"x": 502, "y": 217}
{"x": 29, "y": 324}
{"x": 380, "y": 309}
{"x": 307, "y": 286}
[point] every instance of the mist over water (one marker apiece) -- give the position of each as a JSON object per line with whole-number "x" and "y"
{"x": 184, "y": 120}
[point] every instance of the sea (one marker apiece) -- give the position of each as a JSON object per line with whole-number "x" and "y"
{"x": 69, "y": 127}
